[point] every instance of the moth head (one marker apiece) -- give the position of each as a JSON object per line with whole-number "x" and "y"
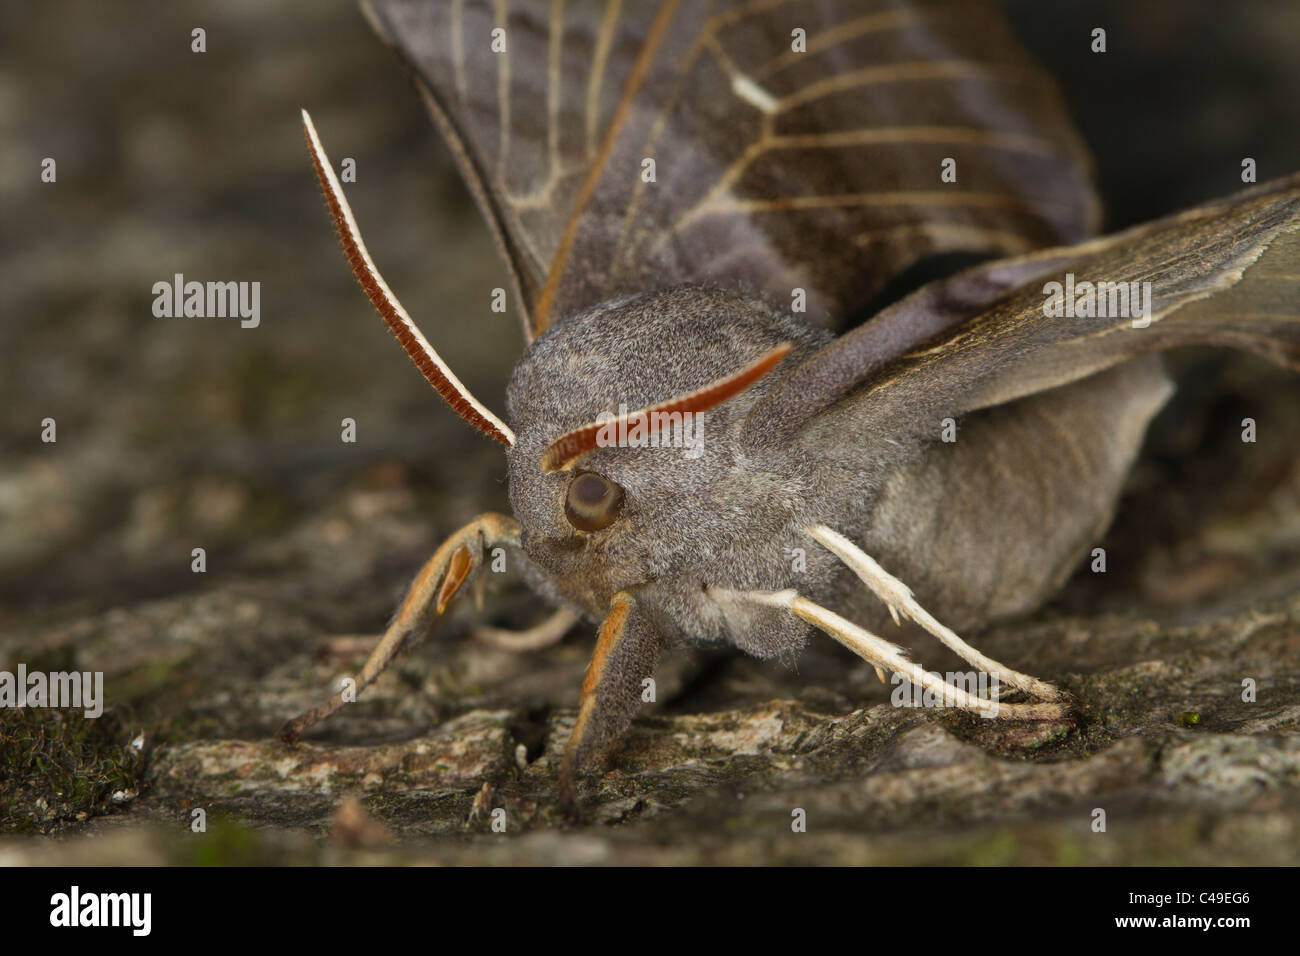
{"x": 626, "y": 459}
{"x": 628, "y": 463}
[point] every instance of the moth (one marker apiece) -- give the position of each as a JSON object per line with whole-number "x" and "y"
{"x": 722, "y": 213}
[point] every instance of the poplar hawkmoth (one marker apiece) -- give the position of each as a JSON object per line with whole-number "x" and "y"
{"x": 708, "y": 211}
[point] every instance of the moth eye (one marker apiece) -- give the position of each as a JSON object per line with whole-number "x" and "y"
{"x": 592, "y": 502}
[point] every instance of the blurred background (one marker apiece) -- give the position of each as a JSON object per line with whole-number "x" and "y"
{"x": 176, "y": 434}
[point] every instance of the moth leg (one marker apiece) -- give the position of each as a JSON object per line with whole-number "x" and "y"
{"x": 535, "y": 638}
{"x": 882, "y": 654}
{"x": 898, "y": 598}
{"x": 457, "y": 560}
{"x": 627, "y": 650}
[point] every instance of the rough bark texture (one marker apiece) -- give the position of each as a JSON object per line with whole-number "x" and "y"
{"x": 176, "y": 434}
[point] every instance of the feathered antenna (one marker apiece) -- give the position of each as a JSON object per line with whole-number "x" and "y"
{"x": 569, "y": 447}
{"x": 390, "y": 310}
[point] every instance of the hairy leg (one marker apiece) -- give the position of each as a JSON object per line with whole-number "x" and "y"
{"x": 458, "y": 560}
{"x": 883, "y": 655}
{"x": 627, "y": 651}
{"x": 898, "y": 598}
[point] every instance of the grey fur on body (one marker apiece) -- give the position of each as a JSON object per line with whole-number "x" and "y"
{"x": 982, "y": 528}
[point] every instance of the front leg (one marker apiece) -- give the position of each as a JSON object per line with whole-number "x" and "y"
{"x": 897, "y": 597}
{"x": 627, "y": 651}
{"x": 458, "y": 560}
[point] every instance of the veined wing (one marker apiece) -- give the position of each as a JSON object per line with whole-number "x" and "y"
{"x": 794, "y": 144}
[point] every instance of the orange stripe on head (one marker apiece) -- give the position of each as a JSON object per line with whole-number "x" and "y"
{"x": 569, "y": 447}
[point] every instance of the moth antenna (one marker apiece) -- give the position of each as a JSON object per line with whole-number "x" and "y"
{"x": 569, "y": 447}
{"x": 426, "y": 359}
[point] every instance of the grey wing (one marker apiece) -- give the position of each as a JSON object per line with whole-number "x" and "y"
{"x": 1227, "y": 273}
{"x": 624, "y": 146}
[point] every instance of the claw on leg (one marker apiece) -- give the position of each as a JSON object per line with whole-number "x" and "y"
{"x": 898, "y": 598}
{"x": 535, "y": 638}
{"x": 627, "y": 650}
{"x": 457, "y": 560}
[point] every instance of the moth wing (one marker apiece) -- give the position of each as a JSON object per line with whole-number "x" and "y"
{"x": 1226, "y": 273}
{"x": 791, "y": 143}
